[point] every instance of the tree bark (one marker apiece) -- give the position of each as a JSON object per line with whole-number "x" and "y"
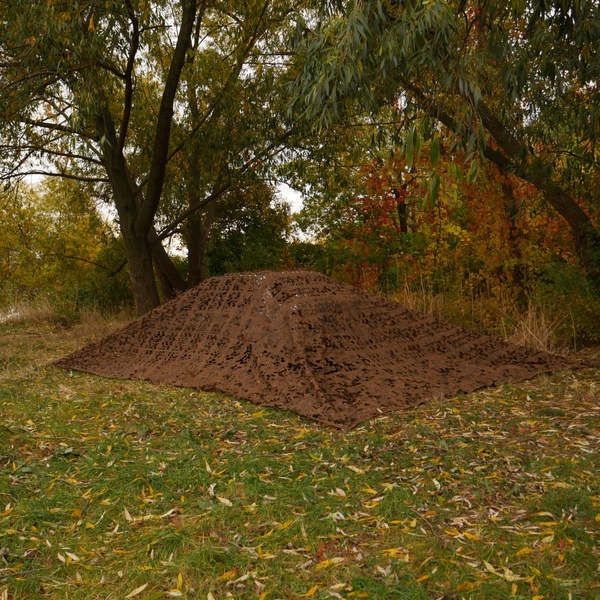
{"x": 137, "y": 212}
{"x": 137, "y": 248}
{"x": 171, "y": 281}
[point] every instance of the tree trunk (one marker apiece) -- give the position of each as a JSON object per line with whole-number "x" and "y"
{"x": 137, "y": 248}
{"x": 511, "y": 210}
{"x": 141, "y": 272}
{"x": 198, "y": 233}
{"x": 171, "y": 281}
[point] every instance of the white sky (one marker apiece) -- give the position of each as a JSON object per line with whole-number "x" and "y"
{"x": 292, "y": 197}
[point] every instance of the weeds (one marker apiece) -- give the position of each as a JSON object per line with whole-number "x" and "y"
{"x": 116, "y": 489}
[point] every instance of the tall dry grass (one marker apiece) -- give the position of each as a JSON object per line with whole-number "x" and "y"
{"x": 536, "y": 327}
{"x": 34, "y": 313}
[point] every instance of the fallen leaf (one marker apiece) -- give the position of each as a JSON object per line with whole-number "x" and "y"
{"x": 310, "y": 593}
{"x": 489, "y": 567}
{"x": 331, "y": 562}
{"x": 510, "y": 576}
{"x": 137, "y": 591}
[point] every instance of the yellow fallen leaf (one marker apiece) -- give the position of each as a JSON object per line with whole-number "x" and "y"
{"x": 263, "y": 596}
{"x": 137, "y": 591}
{"x": 423, "y": 578}
{"x": 598, "y": 517}
{"x": 324, "y": 564}
{"x": 227, "y": 575}
{"x": 453, "y": 532}
{"x": 224, "y": 501}
{"x": 538, "y": 597}
{"x": 370, "y": 490}
{"x": 310, "y": 593}
{"x": 489, "y": 567}
{"x": 510, "y": 576}
{"x": 398, "y": 553}
{"x": 524, "y": 551}
{"x": 471, "y": 536}
{"x": 513, "y": 589}
{"x": 285, "y": 525}
{"x": 467, "y": 586}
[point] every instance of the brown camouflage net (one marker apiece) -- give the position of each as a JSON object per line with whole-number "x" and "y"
{"x": 301, "y": 341}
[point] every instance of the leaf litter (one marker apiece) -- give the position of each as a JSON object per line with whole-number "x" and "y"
{"x": 124, "y": 489}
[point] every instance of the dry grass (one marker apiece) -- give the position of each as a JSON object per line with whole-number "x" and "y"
{"x": 34, "y": 313}
{"x": 535, "y": 330}
{"x": 94, "y": 324}
{"x": 422, "y": 300}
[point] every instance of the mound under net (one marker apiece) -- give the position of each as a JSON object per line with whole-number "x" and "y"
{"x": 300, "y": 341}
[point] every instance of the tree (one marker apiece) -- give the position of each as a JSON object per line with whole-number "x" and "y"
{"x": 96, "y": 91}
{"x": 56, "y": 245}
{"x": 516, "y": 83}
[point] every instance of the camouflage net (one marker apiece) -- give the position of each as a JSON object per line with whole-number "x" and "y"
{"x": 301, "y": 341}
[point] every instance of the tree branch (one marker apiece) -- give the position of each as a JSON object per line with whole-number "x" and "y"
{"x": 127, "y": 101}
{"x": 160, "y": 151}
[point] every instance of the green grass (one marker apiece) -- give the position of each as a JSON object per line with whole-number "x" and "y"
{"x": 107, "y": 486}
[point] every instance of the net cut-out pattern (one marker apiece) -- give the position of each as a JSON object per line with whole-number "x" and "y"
{"x": 300, "y": 341}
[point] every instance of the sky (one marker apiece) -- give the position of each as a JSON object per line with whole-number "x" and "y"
{"x": 292, "y": 197}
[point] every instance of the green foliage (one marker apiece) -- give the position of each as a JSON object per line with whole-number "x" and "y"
{"x": 250, "y": 235}
{"x": 56, "y": 246}
{"x": 530, "y": 107}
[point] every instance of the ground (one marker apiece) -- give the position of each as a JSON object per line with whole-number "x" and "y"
{"x": 113, "y": 489}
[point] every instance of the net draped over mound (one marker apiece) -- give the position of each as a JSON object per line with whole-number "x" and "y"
{"x": 300, "y": 341}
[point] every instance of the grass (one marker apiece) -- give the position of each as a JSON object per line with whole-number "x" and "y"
{"x": 117, "y": 489}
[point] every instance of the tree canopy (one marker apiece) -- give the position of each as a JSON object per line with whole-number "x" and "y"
{"x": 115, "y": 93}
{"x": 421, "y": 133}
{"x": 515, "y": 83}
